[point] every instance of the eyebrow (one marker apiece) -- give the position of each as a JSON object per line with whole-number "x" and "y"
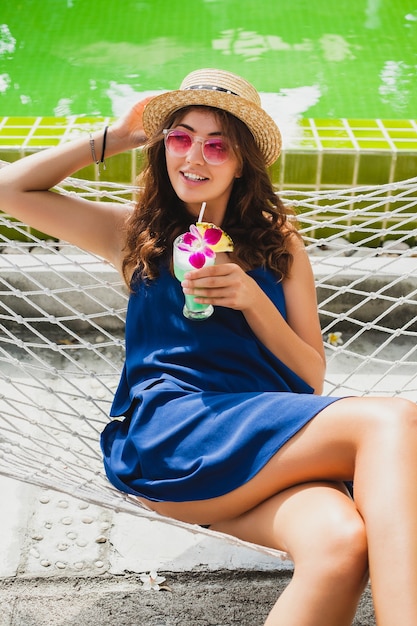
{"x": 216, "y": 133}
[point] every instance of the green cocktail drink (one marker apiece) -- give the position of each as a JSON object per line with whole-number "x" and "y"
{"x": 192, "y": 310}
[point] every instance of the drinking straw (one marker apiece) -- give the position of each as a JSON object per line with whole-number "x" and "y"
{"x": 203, "y": 206}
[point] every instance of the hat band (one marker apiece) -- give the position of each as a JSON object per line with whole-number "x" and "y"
{"x": 211, "y": 88}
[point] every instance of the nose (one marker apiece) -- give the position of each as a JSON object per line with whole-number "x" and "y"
{"x": 195, "y": 154}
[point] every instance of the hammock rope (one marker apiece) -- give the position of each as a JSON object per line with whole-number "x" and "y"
{"x": 62, "y": 317}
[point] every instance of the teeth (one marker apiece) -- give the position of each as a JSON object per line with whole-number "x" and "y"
{"x": 193, "y": 176}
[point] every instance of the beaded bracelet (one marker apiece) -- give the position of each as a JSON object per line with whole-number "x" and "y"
{"x": 93, "y": 150}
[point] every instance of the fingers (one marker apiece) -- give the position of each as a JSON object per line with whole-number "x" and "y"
{"x": 223, "y": 285}
{"x": 129, "y": 128}
{"x": 224, "y": 269}
{"x": 139, "y": 107}
{"x": 215, "y": 276}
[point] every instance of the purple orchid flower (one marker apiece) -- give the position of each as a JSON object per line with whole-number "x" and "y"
{"x": 200, "y": 245}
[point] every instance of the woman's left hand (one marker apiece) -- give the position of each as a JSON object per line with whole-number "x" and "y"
{"x": 225, "y": 285}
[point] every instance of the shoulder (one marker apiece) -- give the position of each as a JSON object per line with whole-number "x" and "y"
{"x": 300, "y": 267}
{"x": 294, "y": 241}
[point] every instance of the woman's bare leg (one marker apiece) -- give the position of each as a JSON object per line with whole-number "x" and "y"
{"x": 386, "y": 495}
{"x": 374, "y": 441}
{"x": 318, "y": 525}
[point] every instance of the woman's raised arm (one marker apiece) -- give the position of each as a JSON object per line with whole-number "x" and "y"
{"x": 94, "y": 226}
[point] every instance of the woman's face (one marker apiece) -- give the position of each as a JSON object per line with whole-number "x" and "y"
{"x": 194, "y": 180}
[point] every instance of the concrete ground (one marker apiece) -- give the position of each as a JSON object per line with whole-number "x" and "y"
{"x": 64, "y": 562}
{"x": 221, "y": 598}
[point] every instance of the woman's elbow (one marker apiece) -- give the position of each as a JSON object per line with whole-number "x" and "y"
{"x": 317, "y": 382}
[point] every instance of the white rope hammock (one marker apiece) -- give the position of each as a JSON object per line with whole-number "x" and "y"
{"x": 62, "y": 323}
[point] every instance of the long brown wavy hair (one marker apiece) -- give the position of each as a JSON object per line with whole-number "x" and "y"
{"x": 255, "y": 218}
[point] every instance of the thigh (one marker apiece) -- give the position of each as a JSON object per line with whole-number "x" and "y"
{"x": 323, "y": 450}
{"x": 305, "y": 520}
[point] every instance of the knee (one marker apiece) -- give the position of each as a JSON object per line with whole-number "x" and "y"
{"x": 395, "y": 415}
{"x": 340, "y": 552}
{"x": 346, "y": 551}
{"x": 405, "y": 409}
{"x": 406, "y": 412}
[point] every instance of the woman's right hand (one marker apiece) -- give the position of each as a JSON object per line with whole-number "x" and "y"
{"x": 129, "y": 128}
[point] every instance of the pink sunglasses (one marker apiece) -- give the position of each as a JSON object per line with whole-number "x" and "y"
{"x": 178, "y": 142}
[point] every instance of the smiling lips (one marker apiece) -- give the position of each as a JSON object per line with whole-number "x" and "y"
{"x": 194, "y": 178}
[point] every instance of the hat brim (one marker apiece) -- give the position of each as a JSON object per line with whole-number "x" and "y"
{"x": 265, "y": 131}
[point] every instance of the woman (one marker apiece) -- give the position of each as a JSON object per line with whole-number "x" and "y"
{"x": 221, "y": 422}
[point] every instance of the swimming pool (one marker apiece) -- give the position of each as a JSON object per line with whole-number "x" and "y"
{"x": 339, "y": 78}
{"x": 322, "y": 59}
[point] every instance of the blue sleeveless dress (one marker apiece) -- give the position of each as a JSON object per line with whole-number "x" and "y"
{"x": 201, "y": 405}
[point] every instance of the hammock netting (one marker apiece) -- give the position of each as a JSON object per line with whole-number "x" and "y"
{"x": 62, "y": 327}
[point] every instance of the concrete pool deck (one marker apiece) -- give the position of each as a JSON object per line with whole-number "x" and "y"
{"x": 65, "y": 563}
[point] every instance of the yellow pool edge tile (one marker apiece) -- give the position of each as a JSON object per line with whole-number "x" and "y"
{"x": 342, "y": 134}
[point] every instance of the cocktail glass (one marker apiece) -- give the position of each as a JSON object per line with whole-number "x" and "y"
{"x": 192, "y": 310}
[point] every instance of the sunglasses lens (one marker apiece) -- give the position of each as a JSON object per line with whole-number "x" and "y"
{"x": 178, "y": 142}
{"x": 215, "y": 151}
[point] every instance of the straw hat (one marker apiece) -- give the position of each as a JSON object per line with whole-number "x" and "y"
{"x": 223, "y": 90}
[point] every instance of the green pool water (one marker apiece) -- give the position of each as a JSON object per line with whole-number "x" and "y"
{"x": 320, "y": 59}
